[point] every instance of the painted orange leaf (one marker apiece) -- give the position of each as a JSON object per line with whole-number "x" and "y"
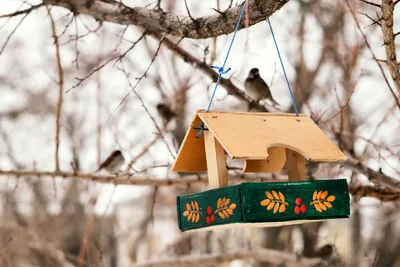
{"x": 328, "y": 204}
{"x": 276, "y": 207}
{"x": 268, "y": 194}
{"x": 315, "y": 195}
{"x": 196, "y": 205}
{"x": 230, "y": 211}
{"x": 317, "y": 207}
{"x": 218, "y": 203}
{"x": 221, "y": 215}
{"x": 319, "y": 194}
{"x": 265, "y": 202}
{"x": 186, "y": 213}
{"x": 331, "y": 198}
{"x": 324, "y": 194}
{"x": 282, "y": 208}
{"x": 232, "y": 206}
{"x": 223, "y": 210}
{"x": 223, "y": 201}
{"x": 275, "y": 194}
{"x": 281, "y": 196}
{"x": 190, "y": 216}
{"x": 188, "y": 206}
{"x": 198, "y": 217}
{"x": 227, "y": 202}
{"x": 270, "y": 206}
{"x": 322, "y": 206}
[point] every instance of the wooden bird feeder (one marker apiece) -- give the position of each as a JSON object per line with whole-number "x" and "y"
{"x": 266, "y": 142}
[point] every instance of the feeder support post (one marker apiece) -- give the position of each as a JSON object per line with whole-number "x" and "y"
{"x": 296, "y": 165}
{"x": 216, "y": 164}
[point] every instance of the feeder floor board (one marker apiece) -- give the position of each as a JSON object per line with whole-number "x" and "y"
{"x": 264, "y": 205}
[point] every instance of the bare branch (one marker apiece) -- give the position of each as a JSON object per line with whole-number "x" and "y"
{"x": 125, "y": 179}
{"x": 226, "y": 83}
{"x": 372, "y": 53}
{"x": 20, "y": 12}
{"x": 12, "y": 33}
{"x": 370, "y": 3}
{"x": 388, "y": 37}
{"x": 156, "y": 20}
{"x": 261, "y": 255}
{"x": 60, "y": 86}
{"x": 383, "y": 194}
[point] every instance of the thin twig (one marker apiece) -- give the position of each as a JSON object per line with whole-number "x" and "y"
{"x": 370, "y": 3}
{"x": 372, "y": 53}
{"x": 61, "y": 88}
{"x": 188, "y": 11}
{"x": 12, "y": 33}
{"x": 25, "y": 11}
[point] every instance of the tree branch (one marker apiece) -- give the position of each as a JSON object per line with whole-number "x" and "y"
{"x": 60, "y": 86}
{"x": 372, "y": 53}
{"x": 226, "y": 83}
{"x": 156, "y": 20}
{"x": 370, "y": 3}
{"x": 388, "y": 37}
{"x": 261, "y": 255}
{"x": 383, "y": 194}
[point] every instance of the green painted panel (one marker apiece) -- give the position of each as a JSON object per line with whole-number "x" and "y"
{"x": 309, "y": 200}
{"x": 212, "y": 207}
{"x": 264, "y": 202}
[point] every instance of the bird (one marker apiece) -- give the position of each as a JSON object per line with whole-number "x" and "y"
{"x": 165, "y": 112}
{"x": 256, "y": 87}
{"x": 113, "y": 163}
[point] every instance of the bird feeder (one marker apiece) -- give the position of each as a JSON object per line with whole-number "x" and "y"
{"x": 266, "y": 142}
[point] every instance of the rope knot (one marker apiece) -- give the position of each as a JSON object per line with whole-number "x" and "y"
{"x": 221, "y": 70}
{"x": 201, "y": 130}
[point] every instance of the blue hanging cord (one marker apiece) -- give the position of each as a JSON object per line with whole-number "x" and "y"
{"x": 283, "y": 67}
{"x": 221, "y": 70}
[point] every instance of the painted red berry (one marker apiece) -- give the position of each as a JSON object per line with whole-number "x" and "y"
{"x": 213, "y": 218}
{"x": 209, "y": 210}
{"x": 298, "y": 201}
{"x": 297, "y": 210}
{"x": 303, "y": 208}
{"x": 208, "y": 219}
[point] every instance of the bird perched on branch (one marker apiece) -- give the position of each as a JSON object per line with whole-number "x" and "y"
{"x": 256, "y": 87}
{"x": 113, "y": 163}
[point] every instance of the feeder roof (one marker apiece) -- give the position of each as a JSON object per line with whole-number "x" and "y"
{"x": 257, "y": 138}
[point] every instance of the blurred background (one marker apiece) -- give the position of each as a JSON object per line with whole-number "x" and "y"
{"x": 74, "y": 88}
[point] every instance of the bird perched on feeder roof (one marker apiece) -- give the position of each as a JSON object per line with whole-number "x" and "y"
{"x": 113, "y": 163}
{"x": 256, "y": 87}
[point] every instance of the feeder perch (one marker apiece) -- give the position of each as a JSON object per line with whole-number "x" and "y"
{"x": 266, "y": 142}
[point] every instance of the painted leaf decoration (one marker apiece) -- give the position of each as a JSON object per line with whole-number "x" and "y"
{"x": 228, "y": 200}
{"x": 314, "y": 197}
{"x": 230, "y": 211}
{"x": 190, "y": 216}
{"x": 317, "y": 207}
{"x": 193, "y": 217}
{"x": 328, "y": 204}
{"x": 324, "y": 194}
{"x": 188, "y": 206}
{"x": 322, "y": 206}
{"x": 319, "y": 195}
{"x": 219, "y": 203}
{"x": 223, "y": 202}
{"x": 275, "y": 194}
{"x": 282, "y": 208}
{"x": 221, "y": 215}
{"x": 265, "y": 202}
{"x": 281, "y": 196}
{"x": 268, "y": 194}
{"x": 193, "y": 207}
{"x": 225, "y": 213}
{"x": 198, "y": 217}
{"x": 232, "y": 206}
{"x": 276, "y": 207}
{"x": 331, "y": 198}
{"x": 197, "y": 205}
{"x": 271, "y": 205}
{"x": 186, "y": 213}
